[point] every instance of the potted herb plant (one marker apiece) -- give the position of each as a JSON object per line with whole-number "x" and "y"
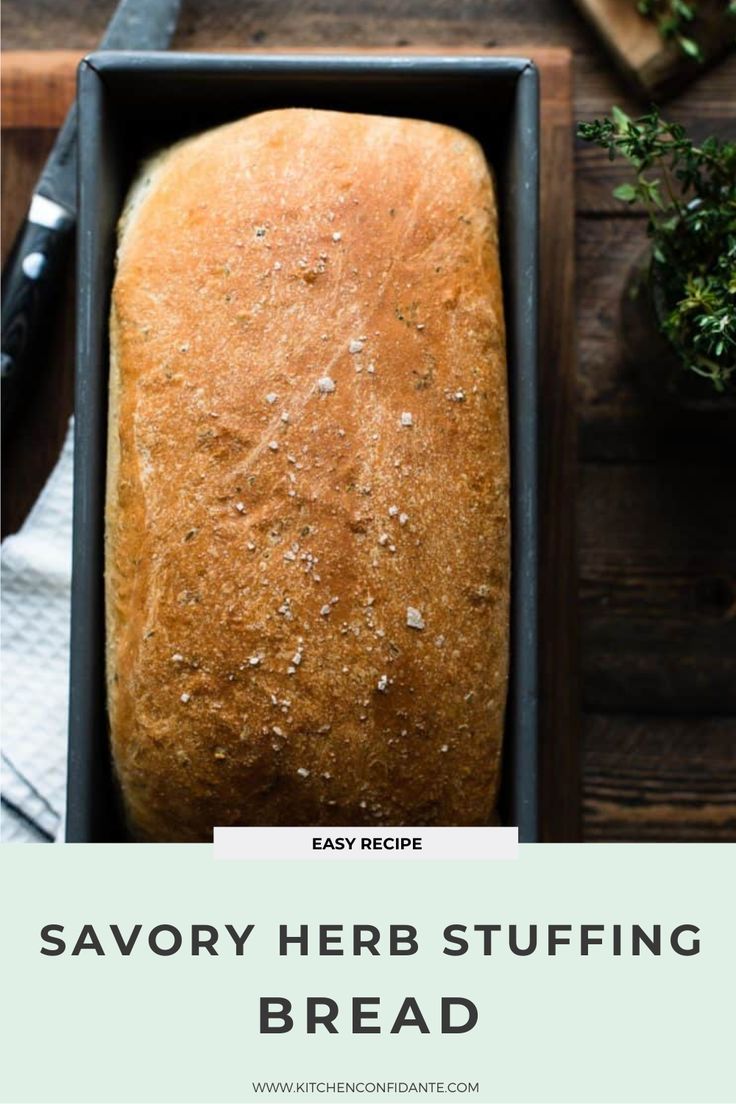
{"x": 679, "y": 305}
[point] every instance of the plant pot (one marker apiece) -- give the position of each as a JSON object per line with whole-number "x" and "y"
{"x": 658, "y": 369}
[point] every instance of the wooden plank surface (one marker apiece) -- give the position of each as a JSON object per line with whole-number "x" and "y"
{"x": 560, "y": 811}
{"x": 621, "y": 436}
{"x": 660, "y": 778}
{"x": 39, "y": 86}
{"x": 660, "y": 596}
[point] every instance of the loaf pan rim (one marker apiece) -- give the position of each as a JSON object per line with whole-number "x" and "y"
{"x": 84, "y": 744}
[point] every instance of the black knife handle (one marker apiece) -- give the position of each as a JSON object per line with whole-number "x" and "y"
{"x": 31, "y": 283}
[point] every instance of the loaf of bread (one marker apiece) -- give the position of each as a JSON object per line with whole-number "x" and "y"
{"x": 307, "y": 525}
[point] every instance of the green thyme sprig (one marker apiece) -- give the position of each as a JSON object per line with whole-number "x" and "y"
{"x": 688, "y": 192}
{"x": 674, "y": 20}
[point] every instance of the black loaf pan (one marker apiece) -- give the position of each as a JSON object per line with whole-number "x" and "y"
{"x": 132, "y": 104}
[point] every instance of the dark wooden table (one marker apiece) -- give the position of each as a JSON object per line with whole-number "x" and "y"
{"x": 656, "y": 489}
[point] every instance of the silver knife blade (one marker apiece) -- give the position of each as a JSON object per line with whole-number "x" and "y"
{"x": 135, "y": 25}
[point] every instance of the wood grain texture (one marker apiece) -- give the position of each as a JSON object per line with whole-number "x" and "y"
{"x": 38, "y": 87}
{"x": 658, "y": 597}
{"x": 633, "y": 40}
{"x": 45, "y": 24}
{"x": 560, "y": 731}
{"x": 656, "y": 779}
{"x": 619, "y": 426}
{"x": 653, "y": 67}
{"x": 35, "y": 89}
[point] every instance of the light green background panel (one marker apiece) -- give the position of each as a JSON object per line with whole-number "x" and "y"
{"x": 117, "y": 1030}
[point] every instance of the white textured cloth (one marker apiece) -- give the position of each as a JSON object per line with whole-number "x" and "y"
{"x": 36, "y": 568}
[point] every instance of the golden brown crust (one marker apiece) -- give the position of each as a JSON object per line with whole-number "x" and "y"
{"x": 267, "y": 535}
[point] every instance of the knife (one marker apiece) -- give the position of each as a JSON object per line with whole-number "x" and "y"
{"x": 31, "y": 277}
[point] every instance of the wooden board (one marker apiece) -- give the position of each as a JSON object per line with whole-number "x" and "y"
{"x": 37, "y": 88}
{"x": 668, "y": 624}
{"x": 656, "y": 779}
{"x": 653, "y": 67}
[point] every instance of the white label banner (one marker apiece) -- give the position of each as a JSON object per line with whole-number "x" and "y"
{"x": 360, "y": 844}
